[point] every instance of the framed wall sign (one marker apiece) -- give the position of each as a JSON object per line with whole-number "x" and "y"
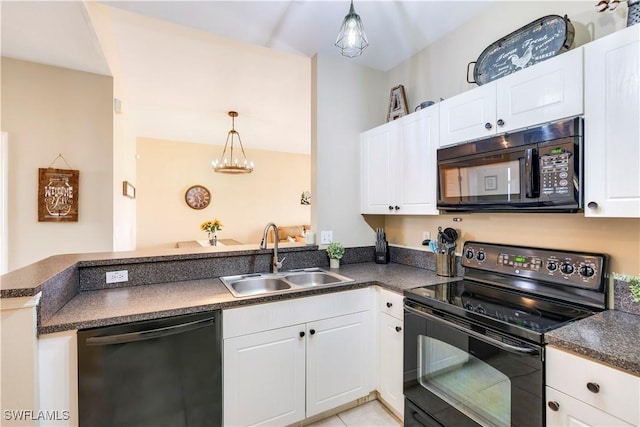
{"x": 58, "y": 191}
{"x": 397, "y": 103}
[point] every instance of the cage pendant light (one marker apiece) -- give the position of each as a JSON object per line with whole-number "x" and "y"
{"x": 231, "y": 164}
{"x": 351, "y": 39}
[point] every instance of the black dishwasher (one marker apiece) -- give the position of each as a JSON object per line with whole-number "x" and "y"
{"x": 162, "y": 372}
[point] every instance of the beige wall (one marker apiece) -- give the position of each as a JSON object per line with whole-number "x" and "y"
{"x": 245, "y": 203}
{"x": 344, "y": 104}
{"x": 49, "y": 110}
{"x": 439, "y": 71}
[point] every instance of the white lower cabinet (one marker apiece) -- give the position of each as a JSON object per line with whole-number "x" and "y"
{"x": 58, "y": 378}
{"x": 573, "y": 412}
{"x": 583, "y": 392}
{"x": 289, "y": 360}
{"x": 337, "y": 350}
{"x": 264, "y": 378}
{"x": 390, "y": 350}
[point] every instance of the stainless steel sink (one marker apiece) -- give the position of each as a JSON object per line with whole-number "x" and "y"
{"x": 268, "y": 283}
{"x": 259, "y": 285}
{"x": 314, "y": 278}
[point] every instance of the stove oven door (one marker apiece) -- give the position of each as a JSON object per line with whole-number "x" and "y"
{"x": 460, "y": 374}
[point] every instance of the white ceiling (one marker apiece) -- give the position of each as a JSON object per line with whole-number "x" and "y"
{"x": 61, "y": 33}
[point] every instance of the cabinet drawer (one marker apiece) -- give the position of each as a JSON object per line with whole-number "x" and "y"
{"x": 572, "y": 412}
{"x": 618, "y": 393}
{"x": 263, "y": 317}
{"x": 391, "y": 303}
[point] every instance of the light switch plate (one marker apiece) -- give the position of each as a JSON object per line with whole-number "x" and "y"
{"x": 326, "y": 237}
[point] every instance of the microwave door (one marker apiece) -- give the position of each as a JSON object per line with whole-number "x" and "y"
{"x": 484, "y": 180}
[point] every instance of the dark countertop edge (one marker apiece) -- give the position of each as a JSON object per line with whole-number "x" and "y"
{"x": 235, "y": 302}
{"x": 27, "y": 281}
{"x": 613, "y": 346}
{"x": 610, "y": 360}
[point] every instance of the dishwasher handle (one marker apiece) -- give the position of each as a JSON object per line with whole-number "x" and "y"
{"x": 149, "y": 334}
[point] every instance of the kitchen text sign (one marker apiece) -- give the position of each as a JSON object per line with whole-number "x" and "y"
{"x": 58, "y": 195}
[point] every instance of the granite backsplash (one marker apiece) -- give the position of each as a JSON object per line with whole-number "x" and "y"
{"x": 622, "y": 299}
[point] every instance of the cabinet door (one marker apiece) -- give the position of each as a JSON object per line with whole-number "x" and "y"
{"x": 264, "y": 378}
{"x": 390, "y": 362}
{"x": 338, "y": 368}
{"x": 58, "y": 376}
{"x": 545, "y": 92}
{"x": 573, "y": 412}
{"x": 416, "y": 176}
{"x": 470, "y": 115}
{"x": 612, "y": 128}
{"x": 376, "y": 176}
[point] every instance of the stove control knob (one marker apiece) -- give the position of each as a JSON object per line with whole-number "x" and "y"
{"x": 480, "y": 309}
{"x": 587, "y": 271}
{"x": 468, "y": 254}
{"x": 481, "y": 256}
{"x": 552, "y": 266}
{"x": 567, "y": 268}
{"x": 468, "y": 306}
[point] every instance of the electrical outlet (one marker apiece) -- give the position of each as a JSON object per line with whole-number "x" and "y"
{"x": 117, "y": 276}
{"x": 326, "y": 237}
{"x": 426, "y": 235}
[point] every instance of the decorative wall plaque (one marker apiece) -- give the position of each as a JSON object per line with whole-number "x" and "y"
{"x": 397, "y": 103}
{"x": 58, "y": 195}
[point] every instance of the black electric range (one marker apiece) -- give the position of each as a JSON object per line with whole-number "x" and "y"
{"x": 521, "y": 291}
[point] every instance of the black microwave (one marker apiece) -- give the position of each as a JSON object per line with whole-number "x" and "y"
{"x": 538, "y": 169}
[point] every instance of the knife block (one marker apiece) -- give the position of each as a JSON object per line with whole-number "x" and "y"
{"x": 382, "y": 256}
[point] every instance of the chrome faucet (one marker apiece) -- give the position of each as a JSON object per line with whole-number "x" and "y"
{"x": 263, "y": 245}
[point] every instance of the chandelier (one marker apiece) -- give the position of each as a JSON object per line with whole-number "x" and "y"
{"x": 231, "y": 164}
{"x": 351, "y": 39}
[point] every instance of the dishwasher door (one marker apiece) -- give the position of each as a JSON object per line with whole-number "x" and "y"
{"x": 163, "y": 372}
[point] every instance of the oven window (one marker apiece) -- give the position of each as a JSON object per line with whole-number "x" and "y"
{"x": 465, "y": 382}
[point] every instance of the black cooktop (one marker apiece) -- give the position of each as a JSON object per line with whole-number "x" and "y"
{"x": 525, "y": 316}
{"x": 520, "y": 291}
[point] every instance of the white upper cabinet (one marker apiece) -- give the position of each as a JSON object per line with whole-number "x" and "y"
{"x": 398, "y": 161}
{"x": 470, "y": 115}
{"x": 545, "y": 92}
{"x": 612, "y": 125}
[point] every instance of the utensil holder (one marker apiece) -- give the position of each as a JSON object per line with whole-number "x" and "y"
{"x": 446, "y": 264}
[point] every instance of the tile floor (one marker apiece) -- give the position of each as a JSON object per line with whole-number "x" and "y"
{"x": 371, "y": 414}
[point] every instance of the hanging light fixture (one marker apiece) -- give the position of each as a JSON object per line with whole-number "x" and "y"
{"x": 231, "y": 164}
{"x": 351, "y": 39}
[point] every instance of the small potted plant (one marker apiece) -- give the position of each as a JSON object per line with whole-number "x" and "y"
{"x": 335, "y": 251}
{"x": 211, "y": 227}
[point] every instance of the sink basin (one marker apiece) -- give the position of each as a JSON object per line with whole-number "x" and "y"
{"x": 267, "y": 283}
{"x": 314, "y": 278}
{"x": 259, "y": 285}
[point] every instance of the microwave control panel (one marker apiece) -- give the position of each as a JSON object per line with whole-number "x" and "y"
{"x": 556, "y": 171}
{"x": 577, "y": 269}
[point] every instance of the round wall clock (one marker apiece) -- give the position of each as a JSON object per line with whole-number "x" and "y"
{"x": 197, "y": 197}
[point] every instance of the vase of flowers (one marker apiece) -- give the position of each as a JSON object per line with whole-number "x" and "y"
{"x": 335, "y": 251}
{"x": 212, "y": 227}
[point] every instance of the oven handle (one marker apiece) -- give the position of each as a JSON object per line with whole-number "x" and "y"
{"x": 504, "y": 346}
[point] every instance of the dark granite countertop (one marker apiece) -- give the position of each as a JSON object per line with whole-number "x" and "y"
{"x": 610, "y": 337}
{"x": 127, "y": 304}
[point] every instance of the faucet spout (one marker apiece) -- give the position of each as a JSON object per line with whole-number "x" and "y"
{"x": 263, "y": 245}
